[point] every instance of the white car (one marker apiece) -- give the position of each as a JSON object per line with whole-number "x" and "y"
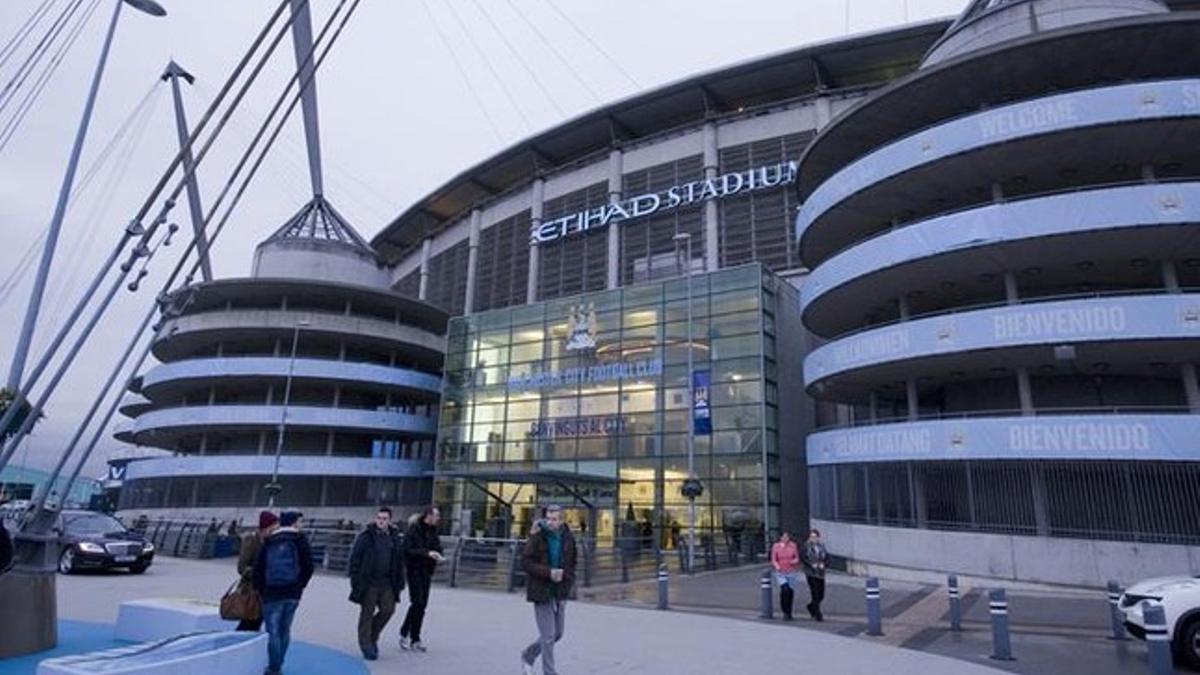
{"x": 1180, "y": 599}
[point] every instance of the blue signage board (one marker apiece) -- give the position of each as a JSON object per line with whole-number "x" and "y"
{"x": 701, "y": 412}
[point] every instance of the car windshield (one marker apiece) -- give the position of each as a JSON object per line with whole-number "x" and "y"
{"x": 93, "y": 523}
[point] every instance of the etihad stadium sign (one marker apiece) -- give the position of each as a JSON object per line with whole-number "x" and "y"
{"x": 674, "y": 197}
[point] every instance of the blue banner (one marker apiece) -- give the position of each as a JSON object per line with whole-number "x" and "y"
{"x": 701, "y": 412}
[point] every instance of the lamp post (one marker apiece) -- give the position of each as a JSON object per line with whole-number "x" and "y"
{"x": 274, "y": 488}
{"x": 21, "y": 353}
{"x": 691, "y": 484}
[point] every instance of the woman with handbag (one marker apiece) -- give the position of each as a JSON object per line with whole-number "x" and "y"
{"x": 251, "y": 604}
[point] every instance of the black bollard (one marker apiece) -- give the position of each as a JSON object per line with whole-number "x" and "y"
{"x": 764, "y": 585}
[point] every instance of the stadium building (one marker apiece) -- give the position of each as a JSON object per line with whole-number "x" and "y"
{"x": 1000, "y": 348}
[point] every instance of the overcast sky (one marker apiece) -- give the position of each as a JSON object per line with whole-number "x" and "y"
{"x": 398, "y": 118}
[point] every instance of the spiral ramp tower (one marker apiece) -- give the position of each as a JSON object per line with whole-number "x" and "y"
{"x": 358, "y": 419}
{"x": 1005, "y": 280}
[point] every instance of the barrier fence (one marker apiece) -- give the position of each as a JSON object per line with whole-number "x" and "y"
{"x": 471, "y": 562}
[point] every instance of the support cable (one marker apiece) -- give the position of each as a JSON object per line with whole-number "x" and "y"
{"x": 488, "y": 63}
{"x": 462, "y": 73}
{"x": 135, "y": 227}
{"x": 14, "y": 42}
{"x": 14, "y": 277}
{"x": 590, "y": 41}
{"x": 35, "y": 91}
{"x": 554, "y": 50}
{"x": 35, "y": 56}
{"x": 164, "y": 298}
{"x": 482, "y": 8}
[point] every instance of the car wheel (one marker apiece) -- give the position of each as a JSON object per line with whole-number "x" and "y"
{"x": 138, "y": 569}
{"x": 66, "y": 561}
{"x": 1188, "y": 643}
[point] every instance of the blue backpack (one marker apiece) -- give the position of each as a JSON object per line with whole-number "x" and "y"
{"x": 283, "y": 563}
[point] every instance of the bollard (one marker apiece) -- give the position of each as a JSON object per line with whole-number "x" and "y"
{"x": 955, "y": 603}
{"x": 998, "y": 607}
{"x": 1157, "y": 645}
{"x": 514, "y": 553}
{"x": 874, "y": 617}
{"x": 764, "y": 585}
{"x": 624, "y": 566}
{"x": 662, "y": 586}
{"x": 1114, "y": 613}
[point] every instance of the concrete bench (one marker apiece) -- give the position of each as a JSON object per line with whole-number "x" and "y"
{"x": 158, "y": 618}
{"x": 224, "y": 652}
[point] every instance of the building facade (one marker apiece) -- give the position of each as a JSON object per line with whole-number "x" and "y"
{"x": 312, "y": 357}
{"x": 596, "y": 385}
{"x": 990, "y": 223}
{"x": 1005, "y": 256}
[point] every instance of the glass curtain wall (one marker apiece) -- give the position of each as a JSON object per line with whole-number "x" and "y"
{"x": 526, "y": 391}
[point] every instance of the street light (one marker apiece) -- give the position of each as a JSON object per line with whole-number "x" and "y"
{"x": 21, "y": 352}
{"x": 691, "y": 485}
{"x": 274, "y": 488}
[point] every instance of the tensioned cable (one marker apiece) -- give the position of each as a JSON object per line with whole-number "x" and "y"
{"x": 554, "y": 50}
{"x": 488, "y": 63}
{"x": 39, "y": 50}
{"x": 303, "y": 86}
{"x": 115, "y": 177}
{"x": 462, "y": 72}
{"x": 135, "y": 227}
{"x": 482, "y": 8}
{"x": 14, "y": 43}
{"x": 590, "y": 41}
{"x": 6, "y": 287}
{"x": 10, "y": 128}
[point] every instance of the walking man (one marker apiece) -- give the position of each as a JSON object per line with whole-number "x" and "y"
{"x": 549, "y": 562}
{"x": 376, "y": 579}
{"x": 248, "y": 558}
{"x": 815, "y": 557}
{"x": 283, "y": 569}
{"x": 423, "y": 551}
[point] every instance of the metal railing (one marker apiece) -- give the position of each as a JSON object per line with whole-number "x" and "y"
{"x": 471, "y": 562}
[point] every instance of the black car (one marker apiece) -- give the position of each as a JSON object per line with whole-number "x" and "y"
{"x": 97, "y": 541}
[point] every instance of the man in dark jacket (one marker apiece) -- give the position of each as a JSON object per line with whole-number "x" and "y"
{"x": 376, "y": 579}
{"x": 6, "y": 549}
{"x": 549, "y": 562}
{"x": 422, "y": 553}
{"x": 283, "y": 569}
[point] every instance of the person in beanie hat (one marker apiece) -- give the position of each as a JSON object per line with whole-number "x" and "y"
{"x": 248, "y": 556}
{"x": 283, "y": 569}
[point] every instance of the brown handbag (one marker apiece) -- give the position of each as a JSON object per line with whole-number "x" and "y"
{"x": 241, "y": 603}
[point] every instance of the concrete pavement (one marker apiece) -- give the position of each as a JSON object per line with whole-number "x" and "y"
{"x": 483, "y": 632}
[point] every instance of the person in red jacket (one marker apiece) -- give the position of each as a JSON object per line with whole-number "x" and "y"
{"x": 785, "y": 558}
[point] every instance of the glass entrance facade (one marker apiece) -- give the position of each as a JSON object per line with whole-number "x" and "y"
{"x": 598, "y": 385}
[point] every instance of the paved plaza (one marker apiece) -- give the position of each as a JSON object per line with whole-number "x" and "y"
{"x": 483, "y": 632}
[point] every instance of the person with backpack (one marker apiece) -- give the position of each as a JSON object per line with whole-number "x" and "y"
{"x": 422, "y": 553}
{"x": 376, "y": 578}
{"x": 283, "y": 569}
{"x": 549, "y": 562}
